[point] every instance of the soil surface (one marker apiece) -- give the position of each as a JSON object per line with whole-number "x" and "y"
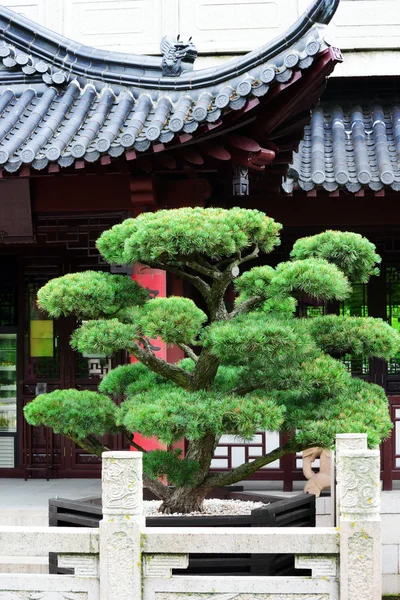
{"x": 212, "y": 508}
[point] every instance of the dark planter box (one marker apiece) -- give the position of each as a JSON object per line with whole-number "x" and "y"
{"x": 298, "y": 511}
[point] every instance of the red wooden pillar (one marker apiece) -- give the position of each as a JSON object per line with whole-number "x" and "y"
{"x": 154, "y": 280}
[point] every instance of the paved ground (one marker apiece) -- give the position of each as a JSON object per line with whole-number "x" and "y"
{"x": 26, "y": 502}
{"x": 34, "y": 493}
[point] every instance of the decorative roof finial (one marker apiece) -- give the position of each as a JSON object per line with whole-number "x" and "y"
{"x": 178, "y": 57}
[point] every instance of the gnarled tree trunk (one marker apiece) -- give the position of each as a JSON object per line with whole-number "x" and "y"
{"x": 184, "y": 500}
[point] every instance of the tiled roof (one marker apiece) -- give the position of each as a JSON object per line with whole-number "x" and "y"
{"x": 61, "y": 101}
{"x": 353, "y": 147}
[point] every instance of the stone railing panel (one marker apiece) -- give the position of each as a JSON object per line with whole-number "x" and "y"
{"x": 38, "y": 541}
{"x": 290, "y": 540}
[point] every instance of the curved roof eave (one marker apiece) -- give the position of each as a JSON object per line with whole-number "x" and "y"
{"x": 56, "y": 52}
{"x": 51, "y": 115}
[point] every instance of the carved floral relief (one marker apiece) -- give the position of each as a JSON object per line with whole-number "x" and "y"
{"x": 122, "y": 487}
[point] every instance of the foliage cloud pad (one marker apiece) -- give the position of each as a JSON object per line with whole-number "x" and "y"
{"x": 260, "y": 365}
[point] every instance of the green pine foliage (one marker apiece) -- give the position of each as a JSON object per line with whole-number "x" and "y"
{"x": 175, "y": 320}
{"x": 350, "y": 252}
{"x": 260, "y": 366}
{"x": 89, "y": 295}
{"x": 174, "y": 413}
{"x": 254, "y": 283}
{"x": 362, "y": 336}
{"x": 178, "y": 470}
{"x": 315, "y": 278}
{"x": 251, "y": 337}
{"x": 74, "y": 413}
{"x": 170, "y": 235}
{"x": 103, "y": 337}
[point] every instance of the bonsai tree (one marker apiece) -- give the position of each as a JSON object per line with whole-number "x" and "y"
{"x": 259, "y": 366}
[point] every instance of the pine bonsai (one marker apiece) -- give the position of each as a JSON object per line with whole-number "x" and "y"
{"x": 255, "y": 367}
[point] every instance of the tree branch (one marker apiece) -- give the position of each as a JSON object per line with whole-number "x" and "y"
{"x": 96, "y": 444}
{"x": 246, "y": 306}
{"x": 205, "y": 370}
{"x": 227, "y": 261}
{"x": 131, "y": 441}
{"x": 187, "y": 350}
{"x": 201, "y": 266}
{"x": 251, "y": 256}
{"x": 161, "y": 367}
{"x": 242, "y": 390}
{"x": 91, "y": 445}
{"x": 199, "y": 283}
{"x": 159, "y": 489}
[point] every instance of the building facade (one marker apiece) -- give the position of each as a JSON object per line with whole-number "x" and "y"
{"x": 90, "y": 137}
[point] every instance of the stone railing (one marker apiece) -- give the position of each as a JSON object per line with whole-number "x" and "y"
{"x": 124, "y": 559}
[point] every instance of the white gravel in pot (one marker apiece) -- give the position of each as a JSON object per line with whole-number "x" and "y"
{"x": 212, "y": 508}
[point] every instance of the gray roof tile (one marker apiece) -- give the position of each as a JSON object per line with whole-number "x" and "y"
{"x": 360, "y": 142}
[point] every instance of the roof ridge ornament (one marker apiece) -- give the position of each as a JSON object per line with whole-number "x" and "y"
{"x": 178, "y": 57}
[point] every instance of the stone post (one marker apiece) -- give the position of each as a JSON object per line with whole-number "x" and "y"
{"x": 358, "y": 491}
{"x": 120, "y": 529}
{"x": 344, "y": 442}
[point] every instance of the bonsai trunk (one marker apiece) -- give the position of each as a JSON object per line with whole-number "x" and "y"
{"x": 190, "y": 498}
{"x": 184, "y": 500}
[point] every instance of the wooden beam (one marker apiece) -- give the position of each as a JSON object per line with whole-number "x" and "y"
{"x": 191, "y": 156}
{"x": 144, "y": 164}
{"x": 167, "y": 161}
{"x": 217, "y": 152}
{"x": 142, "y": 193}
{"x": 211, "y": 126}
{"x": 240, "y": 142}
{"x": 283, "y": 158}
{"x": 293, "y": 126}
{"x": 251, "y": 104}
{"x": 283, "y": 106}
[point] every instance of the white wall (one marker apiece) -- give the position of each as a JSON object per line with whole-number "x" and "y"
{"x": 216, "y": 25}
